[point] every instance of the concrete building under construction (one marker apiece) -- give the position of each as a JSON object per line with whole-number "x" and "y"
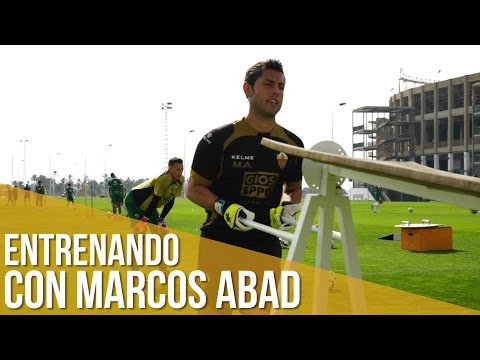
{"x": 436, "y": 124}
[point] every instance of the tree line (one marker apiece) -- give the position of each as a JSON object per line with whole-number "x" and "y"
{"x": 85, "y": 186}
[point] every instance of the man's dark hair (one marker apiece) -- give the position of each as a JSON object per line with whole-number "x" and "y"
{"x": 112, "y": 175}
{"x": 175, "y": 160}
{"x": 256, "y": 70}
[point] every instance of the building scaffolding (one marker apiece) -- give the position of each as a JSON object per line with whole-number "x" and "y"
{"x": 384, "y": 132}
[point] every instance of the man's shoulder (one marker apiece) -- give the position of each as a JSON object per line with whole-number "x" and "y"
{"x": 291, "y": 137}
{"x": 163, "y": 176}
{"x": 222, "y": 130}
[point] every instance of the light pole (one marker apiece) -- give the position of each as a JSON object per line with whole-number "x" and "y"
{"x": 52, "y": 184}
{"x": 24, "y": 162}
{"x": 184, "y": 151}
{"x": 341, "y": 104}
{"x": 185, "y": 157}
{"x": 166, "y": 106}
{"x": 54, "y": 176}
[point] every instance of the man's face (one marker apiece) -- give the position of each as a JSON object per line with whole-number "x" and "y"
{"x": 176, "y": 171}
{"x": 267, "y": 94}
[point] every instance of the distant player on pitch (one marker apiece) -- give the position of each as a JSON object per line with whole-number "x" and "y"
{"x": 116, "y": 191}
{"x": 69, "y": 192}
{"x": 144, "y": 199}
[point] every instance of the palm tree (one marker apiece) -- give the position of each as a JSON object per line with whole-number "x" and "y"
{"x": 42, "y": 178}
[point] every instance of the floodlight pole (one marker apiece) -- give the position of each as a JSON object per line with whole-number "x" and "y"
{"x": 52, "y": 183}
{"x": 24, "y": 162}
{"x": 105, "y": 193}
{"x": 166, "y": 106}
{"x": 185, "y": 158}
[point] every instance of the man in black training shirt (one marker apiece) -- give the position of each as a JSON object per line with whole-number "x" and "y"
{"x": 233, "y": 176}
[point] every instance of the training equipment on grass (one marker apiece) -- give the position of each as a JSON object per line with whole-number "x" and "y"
{"x": 410, "y": 209}
{"x": 326, "y": 166}
{"x": 281, "y": 233}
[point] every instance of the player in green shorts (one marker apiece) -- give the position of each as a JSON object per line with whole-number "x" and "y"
{"x": 116, "y": 191}
{"x": 144, "y": 199}
{"x": 69, "y": 193}
{"x": 39, "y": 193}
{"x": 26, "y": 194}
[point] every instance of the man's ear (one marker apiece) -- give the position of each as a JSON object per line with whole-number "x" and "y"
{"x": 247, "y": 89}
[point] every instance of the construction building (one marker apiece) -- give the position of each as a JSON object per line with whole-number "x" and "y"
{"x": 436, "y": 124}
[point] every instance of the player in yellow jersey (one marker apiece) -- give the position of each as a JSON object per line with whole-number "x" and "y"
{"x": 144, "y": 200}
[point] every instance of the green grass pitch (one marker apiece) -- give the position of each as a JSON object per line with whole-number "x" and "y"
{"x": 452, "y": 276}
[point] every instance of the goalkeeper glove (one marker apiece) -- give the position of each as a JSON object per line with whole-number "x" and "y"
{"x": 288, "y": 210}
{"x": 233, "y": 213}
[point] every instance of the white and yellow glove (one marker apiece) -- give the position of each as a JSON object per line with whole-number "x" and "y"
{"x": 288, "y": 210}
{"x": 233, "y": 213}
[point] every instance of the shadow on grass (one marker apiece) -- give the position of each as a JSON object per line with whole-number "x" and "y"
{"x": 437, "y": 252}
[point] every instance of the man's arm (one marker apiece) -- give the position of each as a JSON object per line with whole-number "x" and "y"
{"x": 289, "y": 207}
{"x": 201, "y": 195}
{"x": 293, "y": 192}
{"x": 166, "y": 208}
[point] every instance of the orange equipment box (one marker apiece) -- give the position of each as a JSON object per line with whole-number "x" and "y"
{"x": 426, "y": 238}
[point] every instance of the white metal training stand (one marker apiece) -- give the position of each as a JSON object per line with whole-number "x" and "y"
{"x": 325, "y": 164}
{"x": 325, "y": 201}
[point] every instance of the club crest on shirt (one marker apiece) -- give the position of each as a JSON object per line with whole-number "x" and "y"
{"x": 282, "y": 160}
